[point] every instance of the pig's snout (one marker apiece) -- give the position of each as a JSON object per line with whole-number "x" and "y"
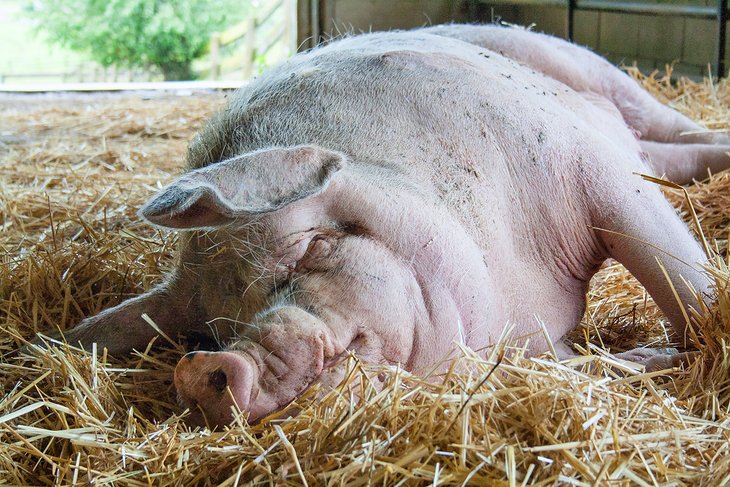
{"x": 214, "y": 385}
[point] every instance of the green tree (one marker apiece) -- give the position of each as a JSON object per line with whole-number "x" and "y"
{"x": 168, "y": 34}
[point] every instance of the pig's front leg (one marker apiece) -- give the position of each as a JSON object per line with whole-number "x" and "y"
{"x": 642, "y": 231}
{"x": 121, "y": 329}
{"x": 263, "y": 372}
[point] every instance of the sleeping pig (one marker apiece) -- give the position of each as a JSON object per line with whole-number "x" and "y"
{"x": 394, "y": 193}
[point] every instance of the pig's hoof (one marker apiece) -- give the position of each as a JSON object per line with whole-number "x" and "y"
{"x": 656, "y": 359}
{"x": 41, "y": 342}
{"x": 214, "y": 386}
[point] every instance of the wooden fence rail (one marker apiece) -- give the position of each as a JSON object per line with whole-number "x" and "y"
{"x": 248, "y": 33}
{"x": 84, "y": 73}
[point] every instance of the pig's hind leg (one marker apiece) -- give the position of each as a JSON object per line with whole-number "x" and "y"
{"x": 584, "y": 71}
{"x": 677, "y": 146}
{"x": 684, "y": 163}
{"x": 654, "y": 120}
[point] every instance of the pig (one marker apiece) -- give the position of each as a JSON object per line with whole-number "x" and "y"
{"x": 394, "y": 194}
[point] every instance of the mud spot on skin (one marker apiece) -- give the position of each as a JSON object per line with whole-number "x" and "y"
{"x": 353, "y": 229}
{"x": 218, "y": 380}
{"x": 190, "y": 356}
{"x": 374, "y": 277}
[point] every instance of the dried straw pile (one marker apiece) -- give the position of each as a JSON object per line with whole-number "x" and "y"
{"x": 74, "y": 171}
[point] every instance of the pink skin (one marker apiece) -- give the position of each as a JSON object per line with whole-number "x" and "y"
{"x": 227, "y": 380}
{"x": 678, "y": 147}
{"x": 258, "y": 377}
{"x": 444, "y": 191}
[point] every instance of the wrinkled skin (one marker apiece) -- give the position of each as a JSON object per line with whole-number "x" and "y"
{"x": 395, "y": 193}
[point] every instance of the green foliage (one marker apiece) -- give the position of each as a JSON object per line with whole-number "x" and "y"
{"x": 168, "y": 34}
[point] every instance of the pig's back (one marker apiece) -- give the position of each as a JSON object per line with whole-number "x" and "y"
{"x": 470, "y": 127}
{"x": 395, "y": 97}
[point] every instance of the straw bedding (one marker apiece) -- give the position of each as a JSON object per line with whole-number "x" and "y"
{"x": 75, "y": 170}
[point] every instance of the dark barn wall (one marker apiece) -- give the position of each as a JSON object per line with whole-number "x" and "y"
{"x": 648, "y": 40}
{"x": 325, "y": 18}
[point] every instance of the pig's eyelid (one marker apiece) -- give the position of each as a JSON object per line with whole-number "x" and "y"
{"x": 289, "y": 286}
{"x": 289, "y": 269}
{"x": 279, "y": 287}
{"x": 254, "y": 281}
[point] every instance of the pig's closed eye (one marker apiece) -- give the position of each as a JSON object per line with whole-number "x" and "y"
{"x": 319, "y": 247}
{"x": 279, "y": 286}
{"x": 302, "y": 260}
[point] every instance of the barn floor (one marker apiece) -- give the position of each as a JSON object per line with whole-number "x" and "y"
{"x": 74, "y": 171}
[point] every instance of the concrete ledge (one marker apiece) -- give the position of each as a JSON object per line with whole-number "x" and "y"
{"x": 125, "y": 86}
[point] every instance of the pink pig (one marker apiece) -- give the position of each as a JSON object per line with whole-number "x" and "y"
{"x": 394, "y": 193}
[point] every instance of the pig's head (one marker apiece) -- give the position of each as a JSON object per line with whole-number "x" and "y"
{"x": 251, "y": 220}
{"x": 279, "y": 233}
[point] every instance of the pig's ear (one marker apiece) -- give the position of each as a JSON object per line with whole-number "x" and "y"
{"x": 188, "y": 204}
{"x": 255, "y": 183}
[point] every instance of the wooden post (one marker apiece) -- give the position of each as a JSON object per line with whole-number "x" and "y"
{"x": 304, "y": 23}
{"x": 249, "y": 48}
{"x": 721, "y": 35}
{"x": 314, "y": 15}
{"x": 570, "y": 20}
{"x": 215, "y": 44}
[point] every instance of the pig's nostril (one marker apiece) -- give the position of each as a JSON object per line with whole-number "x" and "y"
{"x": 218, "y": 380}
